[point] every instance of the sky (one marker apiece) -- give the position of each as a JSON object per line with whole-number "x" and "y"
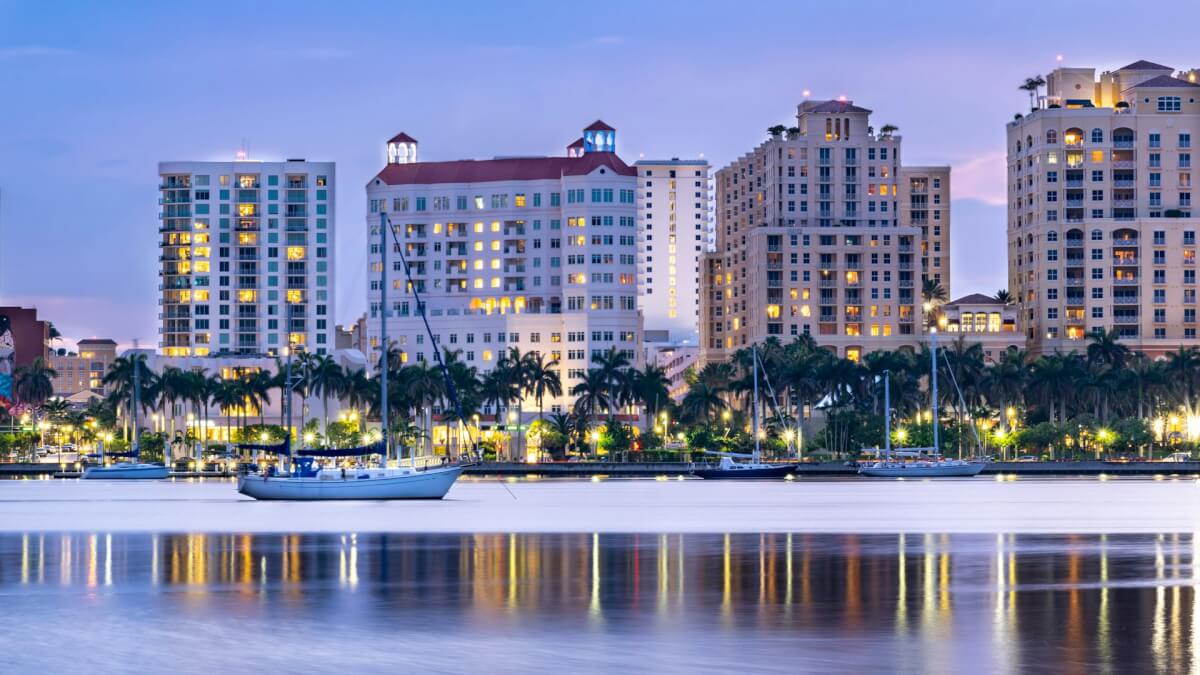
{"x": 94, "y": 95}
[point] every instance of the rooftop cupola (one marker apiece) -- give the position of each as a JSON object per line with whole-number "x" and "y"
{"x": 402, "y": 149}
{"x": 599, "y": 137}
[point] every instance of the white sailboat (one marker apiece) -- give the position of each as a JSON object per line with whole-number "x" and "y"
{"x": 134, "y": 469}
{"x": 306, "y": 483}
{"x": 755, "y": 468}
{"x": 927, "y": 462}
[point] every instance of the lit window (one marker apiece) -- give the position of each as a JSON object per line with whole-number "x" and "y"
{"x": 295, "y": 295}
{"x": 248, "y": 295}
{"x": 295, "y": 253}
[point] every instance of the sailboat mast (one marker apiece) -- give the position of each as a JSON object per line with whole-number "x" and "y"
{"x": 383, "y": 340}
{"x": 137, "y": 384}
{"x": 937, "y": 448}
{"x": 887, "y": 412}
{"x": 754, "y": 358}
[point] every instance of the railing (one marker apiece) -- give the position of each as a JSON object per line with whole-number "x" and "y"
{"x": 1125, "y": 320}
{"x": 1124, "y": 182}
{"x": 1073, "y": 282}
{"x": 1075, "y": 262}
{"x": 1122, "y": 143}
{"x": 1125, "y": 282}
{"x": 1125, "y": 261}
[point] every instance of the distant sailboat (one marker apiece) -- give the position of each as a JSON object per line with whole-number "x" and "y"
{"x": 927, "y": 462}
{"x": 134, "y": 469}
{"x": 755, "y": 468}
{"x": 304, "y": 482}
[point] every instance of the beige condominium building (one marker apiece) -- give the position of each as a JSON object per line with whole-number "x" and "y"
{"x": 1101, "y": 233}
{"x": 84, "y": 369}
{"x": 821, "y": 230}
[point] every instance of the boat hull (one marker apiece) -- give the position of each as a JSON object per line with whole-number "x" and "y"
{"x": 428, "y": 484}
{"x": 965, "y": 470}
{"x": 126, "y": 471}
{"x": 742, "y": 474}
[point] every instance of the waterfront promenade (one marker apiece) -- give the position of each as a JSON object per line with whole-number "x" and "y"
{"x": 652, "y": 469}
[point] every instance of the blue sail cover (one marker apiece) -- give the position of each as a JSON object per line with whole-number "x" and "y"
{"x": 279, "y": 448}
{"x": 372, "y": 449}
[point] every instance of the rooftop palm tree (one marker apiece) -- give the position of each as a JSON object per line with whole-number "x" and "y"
{"x": 887, "y": 130}
{"x": 1004, "y": 296}
{"x": 776, "y": 131}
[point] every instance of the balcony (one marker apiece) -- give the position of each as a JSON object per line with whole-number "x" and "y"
{"x": 1075, "y": 262}
{"x": 1124, "y": 203}
{"x": 1124, "y": 182}
{"x": 905, "y": 283}
{"x": 1122, "y": 299}
{"x": 1074, "y": 282}
{"x": 1126, "y": 320}
{"x": 1125, "y": 282}
{"x": 1074, "y": 182}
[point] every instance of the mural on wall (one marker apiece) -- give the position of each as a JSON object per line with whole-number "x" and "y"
{"x": 8, "y": 364}
{"x": 22, "y": 340}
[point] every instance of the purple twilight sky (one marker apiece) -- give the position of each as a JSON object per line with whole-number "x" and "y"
{"x": 93, "y": 95}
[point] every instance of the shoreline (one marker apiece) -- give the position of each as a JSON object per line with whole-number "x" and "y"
{"x": 971, "y": 505}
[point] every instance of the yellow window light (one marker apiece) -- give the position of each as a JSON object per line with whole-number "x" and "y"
{"x": 201, "y": 266}
{"x": 295, "y": 253}
{"x": 247, "y": 210}
{"x": 479, "y": 227}
{"x": 247, "y": 238}
{"x": 200, "y": 295}
{"x": 248, "y": 295}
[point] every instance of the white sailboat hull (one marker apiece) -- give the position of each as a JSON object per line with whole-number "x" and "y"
{"x": 922, "y": 469}
{"x": 329, "y": 484}
{"x": 126, "y": 471}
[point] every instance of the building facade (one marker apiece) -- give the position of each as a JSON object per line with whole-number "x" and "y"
{"x": 83, "y": 370}
{"x": 822, "y": 231}
{"x": 1101, "y": 232}
{"x": 672, "y": 198}
{"x": 247, "y": 257}
{"x": 536, "y": 253}
{"x": 976, "y": 318}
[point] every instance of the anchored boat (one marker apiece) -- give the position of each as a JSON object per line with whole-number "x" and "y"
{"x": 755, "y": 468}
{"x": 307, "y": 482}
{"x": 134, "y": 469}
{"x": 929, "y": 462}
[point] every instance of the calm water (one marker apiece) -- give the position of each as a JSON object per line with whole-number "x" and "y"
{"x": 593, "y": 603}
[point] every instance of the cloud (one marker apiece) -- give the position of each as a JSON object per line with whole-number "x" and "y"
{"x": 31, "y": 52}
{"x": 983, "y": 177}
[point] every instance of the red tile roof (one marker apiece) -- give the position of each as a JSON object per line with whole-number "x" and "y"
{"x": 492, "y": 170}
{"x": 402, "y": 138}
{"x": 598, "y": 125}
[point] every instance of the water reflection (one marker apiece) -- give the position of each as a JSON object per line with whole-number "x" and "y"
{"x": 910, "y": 603}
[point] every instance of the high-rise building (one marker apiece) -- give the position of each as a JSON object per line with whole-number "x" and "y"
{"x": 821, "y": 231}
{"x": 1101, "y": 233}
{"x": 672, "y": 236}
{"x": 247, "y": 251}
{"x": 84, "y": 369}
{"x": 537, "y": 253}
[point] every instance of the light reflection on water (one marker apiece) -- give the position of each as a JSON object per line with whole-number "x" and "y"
{"x": 588, "y": 602}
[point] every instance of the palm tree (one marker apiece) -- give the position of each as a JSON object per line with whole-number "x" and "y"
{"x": 612, "y": 365}
{"x": 1003, "y": 296}
{"x": 1106, "y": 349}
{"x": 1183, "y": 365}
{"x": 543, "y": 378}
{"x": 1031, "y": 86}
{"x": 325, "y": 378}
{"x": 702, "y": 401}
{"x": 426, "y": 387}
{"x": 776, "y": 131}
{"x": 591, "y": 392}
{"x": 120, "y": 378}
{"x": 34, "y": 383}
{"x": 887, "y": 130}
{"x": 650, "y": 388}
{"x": 357, "y": 388}
{"x": 258, "y": 389}
{"x": 227, "y": 396}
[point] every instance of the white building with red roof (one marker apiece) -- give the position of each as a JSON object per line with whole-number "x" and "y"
{"x": 536, "y": 253}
